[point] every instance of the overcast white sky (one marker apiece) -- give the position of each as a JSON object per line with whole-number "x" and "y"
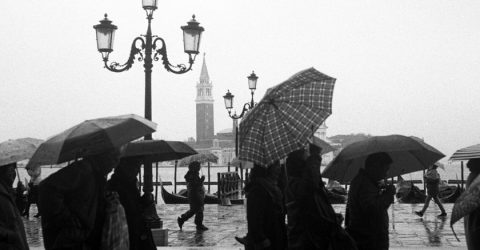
{"x": 402, "y": 67}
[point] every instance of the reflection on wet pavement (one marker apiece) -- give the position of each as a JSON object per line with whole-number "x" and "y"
{"x": 407, "y": 230}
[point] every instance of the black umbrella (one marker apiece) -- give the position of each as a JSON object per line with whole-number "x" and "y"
{"x": 159, "y": 150}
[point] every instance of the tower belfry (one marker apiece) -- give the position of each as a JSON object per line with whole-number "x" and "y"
{"x": 204, "y": 106}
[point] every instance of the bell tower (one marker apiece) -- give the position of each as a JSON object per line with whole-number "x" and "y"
{"x": 204, "y": 106}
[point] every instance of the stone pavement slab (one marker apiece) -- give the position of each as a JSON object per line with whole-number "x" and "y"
{"x": 407, "y": 230}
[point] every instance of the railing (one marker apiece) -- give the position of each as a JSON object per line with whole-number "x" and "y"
{"x": 229, "y": 187}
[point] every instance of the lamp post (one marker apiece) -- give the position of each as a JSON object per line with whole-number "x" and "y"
{"x": 228, "y": 98}
{"x": 149, "y": 48}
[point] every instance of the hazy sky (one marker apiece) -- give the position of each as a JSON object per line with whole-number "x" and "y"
{"x": 402, "y": 67}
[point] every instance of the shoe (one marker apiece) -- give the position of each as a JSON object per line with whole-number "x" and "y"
{"x": 241, "y": 240}
{"x": 180, "y": 222}
{"x": 202, "y": 228}
{"x": 442, "y": 215}
{"x": 419, "y": 213}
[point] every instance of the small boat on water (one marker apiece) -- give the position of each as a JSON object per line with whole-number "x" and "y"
{"x": 449, "y": 193}
{"x": 407, "y": 192}
{"x": 170, "y": 198}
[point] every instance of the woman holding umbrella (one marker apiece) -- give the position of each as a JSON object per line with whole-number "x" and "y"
{"x": 472, "y": 220}
{"x": 432, "y": 178}
{"x": 196, "y": 196}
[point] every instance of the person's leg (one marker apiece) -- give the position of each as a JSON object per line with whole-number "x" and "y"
{"x": 199, "y": 219}
{"x": 439, "y": 204}
{"x": 425, "y": 206}
{"x": 185, "y": 216}
{"x": 26, "y": 212}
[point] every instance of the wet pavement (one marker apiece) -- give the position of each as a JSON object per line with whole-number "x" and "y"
{"x": 407, "y": 230}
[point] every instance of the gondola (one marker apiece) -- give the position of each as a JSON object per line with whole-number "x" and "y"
{"x": 449, "y": 194}
{"x": 407, "y": 192}
{"x": 170, "y": 198}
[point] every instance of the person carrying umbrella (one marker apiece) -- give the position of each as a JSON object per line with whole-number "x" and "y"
{"x": 312, "y": 222}
{"x": 196, "y": 196}
{"x": 124, "y": 182}
{"x": 366, "y": 217}
{"x": 432, "y": 178}
{"x": 472, "y": 220}
{"x": 72, "y": 202}
{"x": 12, "y": 231}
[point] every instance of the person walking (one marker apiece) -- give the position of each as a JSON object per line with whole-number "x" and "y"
{"x": 32, "y": 195}
{"x": 432, "y": 178}
{"x": 196, "y": 197}
{"x": 72, "y": 202}
{"x": 366, "y": 218}
{"x": 124, "y": 182}
{"x": 12, "y": 231}
{"x": 471, "y": 222}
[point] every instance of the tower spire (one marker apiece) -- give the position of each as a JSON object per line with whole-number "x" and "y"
{"x": 204, "y": 77}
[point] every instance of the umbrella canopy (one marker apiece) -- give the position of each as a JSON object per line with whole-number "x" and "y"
{"x": 16, "y": 150}
{"x": 201, "y": 157}
{"x": 467, "y": 153}
{"x": 158, "y": 150}
{"x": 409, "y": 154}
{"x": 91, "y": 137}
{"x": 468, "y": 201}
{"x": 286, "y": 117}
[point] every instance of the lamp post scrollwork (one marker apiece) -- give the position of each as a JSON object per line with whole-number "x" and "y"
{"x": 148, "y": 48}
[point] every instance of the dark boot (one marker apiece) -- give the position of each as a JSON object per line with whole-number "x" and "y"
{"x": 201, "y": 227}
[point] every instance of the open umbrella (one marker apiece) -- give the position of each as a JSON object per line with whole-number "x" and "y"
{"x": 468, "y": 202}
{"x": 91, "y": 137}
{"x": 467, "y": 153}
{"x": 158, "y": 150}
{"x": 201, "y": 157}
{"x": 17, "y": 150}
{"x": 286, "y": 117}
{"x": 409, "y": 154}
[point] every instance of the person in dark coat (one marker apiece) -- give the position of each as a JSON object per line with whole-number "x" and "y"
{"x": 12, "y": 231}
{"x": 72, "y": 203}
{"x": 265, "y": 210}
{"x": 32, "y": 196}
{"x": 124, "y": 182}
{"x": 366, "y": 217}
{"x": 196, "y": 197}
{"x": 432, "y": 178}
{"x": 472, "y": 221}
{"x": 311, "y": 218}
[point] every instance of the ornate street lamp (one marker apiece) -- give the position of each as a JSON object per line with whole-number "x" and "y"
{"x": 228, "y": 99}
{"x": 148, "y": 48}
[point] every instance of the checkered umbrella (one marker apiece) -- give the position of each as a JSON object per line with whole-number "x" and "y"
{"x": 467, "y": 153}
{"x": 286, "y": 117}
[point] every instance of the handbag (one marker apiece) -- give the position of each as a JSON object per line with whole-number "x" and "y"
{"x": 115, "y": 228}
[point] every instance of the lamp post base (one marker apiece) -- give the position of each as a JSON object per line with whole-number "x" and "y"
{"x": 152, "y": 220}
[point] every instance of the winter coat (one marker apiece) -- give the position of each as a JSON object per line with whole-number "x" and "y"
{"x": 72, "y": 205}
{"x": 366, "y": 217}
{"x": 140, "y": 236}
{"x": 265, "y": 216}
{"x": 12, "y": 231}
{"x": 195, "y": 188}
{"x": 472, "y": 223}
{"x": 310, "y": 216}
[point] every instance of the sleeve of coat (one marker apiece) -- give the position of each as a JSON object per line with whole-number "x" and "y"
{"x": 53, "y": 192}
{"x": 256, "y": 207}
{"x": 373, "y": 200}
